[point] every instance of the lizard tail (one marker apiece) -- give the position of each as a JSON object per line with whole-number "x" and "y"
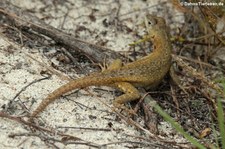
{"x": 75, "y": 84}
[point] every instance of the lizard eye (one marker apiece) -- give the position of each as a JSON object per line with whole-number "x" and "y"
{"x": 152, "y": 21}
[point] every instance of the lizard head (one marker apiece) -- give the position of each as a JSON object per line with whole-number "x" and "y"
{"x": 156, "y": 27}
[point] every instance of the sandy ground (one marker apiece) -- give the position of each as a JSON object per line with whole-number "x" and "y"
{"x": 80, "y": 110}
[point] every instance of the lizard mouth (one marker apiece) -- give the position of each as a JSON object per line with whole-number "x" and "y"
{"x": 153, "y": 36}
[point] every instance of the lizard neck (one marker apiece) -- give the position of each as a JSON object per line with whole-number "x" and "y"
{"x": 162, "y": 47}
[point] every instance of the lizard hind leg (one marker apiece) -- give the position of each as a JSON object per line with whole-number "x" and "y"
{"x": 130, "y": 94}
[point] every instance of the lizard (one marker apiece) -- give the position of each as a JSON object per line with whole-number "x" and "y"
{"x": 147, "y": 71}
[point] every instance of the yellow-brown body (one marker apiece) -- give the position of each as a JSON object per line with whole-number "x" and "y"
{"x": 145, "y": 72}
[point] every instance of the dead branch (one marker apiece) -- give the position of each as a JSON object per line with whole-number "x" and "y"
{"x": 26, "y": 21}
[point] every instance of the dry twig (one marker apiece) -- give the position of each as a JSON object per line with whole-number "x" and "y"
{"x": 25, "y": 21}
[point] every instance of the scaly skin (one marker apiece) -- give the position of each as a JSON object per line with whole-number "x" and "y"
{"x": 145, "y": 72}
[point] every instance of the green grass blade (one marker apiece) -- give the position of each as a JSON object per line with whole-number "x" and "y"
{"x": 178, "y": 127}
{"x": 220, "y": 116}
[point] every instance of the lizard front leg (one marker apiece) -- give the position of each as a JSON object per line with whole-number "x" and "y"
{"x": 116, "y": 64}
